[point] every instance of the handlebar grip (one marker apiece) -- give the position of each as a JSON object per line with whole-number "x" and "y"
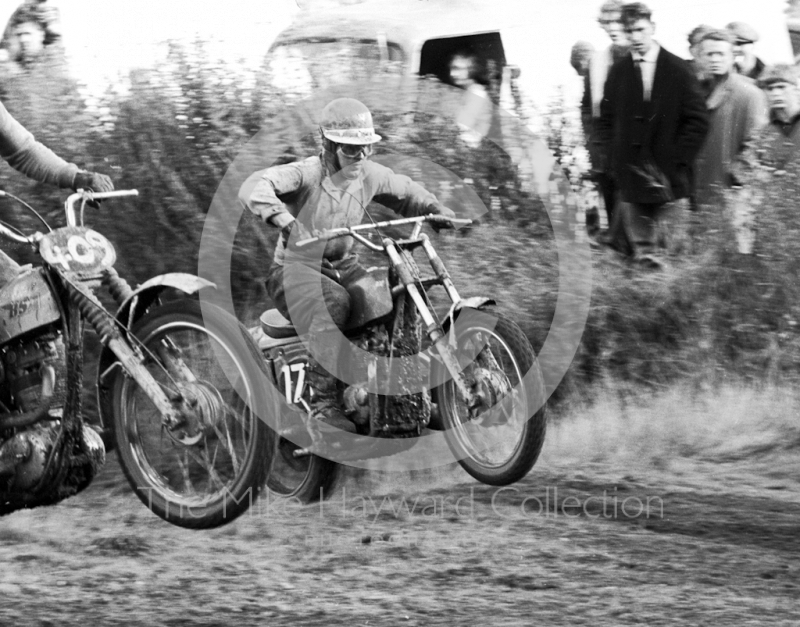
{"x": 115, "y": 194}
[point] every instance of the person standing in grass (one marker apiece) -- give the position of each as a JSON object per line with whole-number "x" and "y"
{"x": 652, "y": 123}
{"x": 737, "y": 110}
{"x": 601, "y": 61}
{"x": 777, "y": 145}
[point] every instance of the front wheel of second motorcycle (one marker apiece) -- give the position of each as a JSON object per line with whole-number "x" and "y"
{"x": 208, "y": 470}
{"x": 499, "y": 439}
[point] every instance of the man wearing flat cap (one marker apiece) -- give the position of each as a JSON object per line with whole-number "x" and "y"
{"x": 737, "y": 111}
{"x": 747, "y": 63}
{"x": 778, "y": 144}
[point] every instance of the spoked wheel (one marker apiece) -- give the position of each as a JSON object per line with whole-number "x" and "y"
{"x": 306, "y": 479}
{"x": 499, "y": 440}
{"x": 209, "y": 470}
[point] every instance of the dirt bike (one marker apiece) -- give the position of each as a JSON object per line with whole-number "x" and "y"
{"x": 480, "y": 380}
{"x": 170, "y": 372}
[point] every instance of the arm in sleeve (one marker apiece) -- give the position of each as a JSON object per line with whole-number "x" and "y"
{"x": 603, "y": 126}
{"x": 757, "y": 117}
{"x": 586, "y": 107}
{"x": 743, "y": 164}
{"x": 261, "y": 192}
{"x": 693, "y": 119}
{"x": 33, "y": 159}
{"x": 401, "y": 194}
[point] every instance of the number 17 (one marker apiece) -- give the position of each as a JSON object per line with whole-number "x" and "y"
{"x": 287, "y": 371}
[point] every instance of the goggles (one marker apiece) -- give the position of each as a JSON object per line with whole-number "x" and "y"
{"x": 353, "y": 151}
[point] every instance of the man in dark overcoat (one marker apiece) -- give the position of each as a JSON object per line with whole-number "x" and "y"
{"x": 652, "y": 123}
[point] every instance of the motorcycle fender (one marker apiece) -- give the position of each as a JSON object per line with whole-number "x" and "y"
{"x": 129, "y": 312}
{"x": 473, "y": 302}
{"x": 147, "y": 292}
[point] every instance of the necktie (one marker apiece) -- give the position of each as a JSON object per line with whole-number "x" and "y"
{"x": 637, "y": 64}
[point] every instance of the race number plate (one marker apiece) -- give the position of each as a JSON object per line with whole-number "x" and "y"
{"x": 294, "y": 381}
{"x": 77, "y": 249}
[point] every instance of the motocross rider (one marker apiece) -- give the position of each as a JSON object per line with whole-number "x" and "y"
{"x": 304, "y": 199}
{"x": 23, "y": 153}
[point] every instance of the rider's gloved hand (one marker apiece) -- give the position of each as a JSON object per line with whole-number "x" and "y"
{"x": 441, "y": 219}
{"x": 92, "y": 181}
{"x": 286, "y": 231}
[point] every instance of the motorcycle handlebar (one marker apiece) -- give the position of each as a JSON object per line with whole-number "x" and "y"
{"x": 352, "y": 230}
{"x": 69, "y": 205}
{"x": 6, "y": 232}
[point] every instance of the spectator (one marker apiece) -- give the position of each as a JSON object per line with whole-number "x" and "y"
{"x": 475, "y": 114}
{"x": 747, "y": 63}
{"x": 580, "y": 57}
{"x": 40, "y": 93}
{"x": 778, "y": 143}
{"x": 32, "y": 33}
{"x": 652, "y": 124}
{"x": 737, "y": 110}
{"x": 594, "y": 82}
{"x": 694, "y": 49}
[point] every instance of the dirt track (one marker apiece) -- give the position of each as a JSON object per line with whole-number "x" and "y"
{"x": 724, "y": 551}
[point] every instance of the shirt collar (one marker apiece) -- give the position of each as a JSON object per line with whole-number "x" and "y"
{"x": 650, "y": 56}
{"x": 778, "y": 122}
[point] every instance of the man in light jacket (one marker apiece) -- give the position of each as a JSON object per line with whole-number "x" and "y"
{"x": 737, "y": 111}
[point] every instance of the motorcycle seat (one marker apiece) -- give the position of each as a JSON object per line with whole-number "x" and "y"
{"x": 276, "y": 326}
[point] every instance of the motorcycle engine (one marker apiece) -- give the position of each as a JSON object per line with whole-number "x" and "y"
{"x": 24, "y": 452}
{"x": 21, "y": 365}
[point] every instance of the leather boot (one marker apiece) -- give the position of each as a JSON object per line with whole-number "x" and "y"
{"x": 325, "y": 406}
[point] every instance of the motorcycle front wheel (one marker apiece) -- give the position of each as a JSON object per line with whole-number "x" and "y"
{"x": 208, "y": 471}
{"x": 498, "y": 444}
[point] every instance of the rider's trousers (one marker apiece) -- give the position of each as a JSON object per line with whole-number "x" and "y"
{"x": 303, "y": 284}
{"x": 318, "y": 304}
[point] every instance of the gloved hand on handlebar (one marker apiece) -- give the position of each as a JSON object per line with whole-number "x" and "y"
{"x": 440, "y": 219}
{"x": 92, "y": 181}
{"x": 288, "y": 226}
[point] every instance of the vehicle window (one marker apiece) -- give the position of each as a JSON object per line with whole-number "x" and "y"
{"x": 304, "y": 66}
{"x": 487, "y": 48}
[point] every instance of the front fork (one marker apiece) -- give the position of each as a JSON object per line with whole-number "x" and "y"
{"x": 432, "y": 327}
{"x": 131, "y": 360}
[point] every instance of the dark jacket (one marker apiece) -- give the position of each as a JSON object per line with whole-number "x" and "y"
{"x": 600, "y": 63}
{"x": 667, "y": 131}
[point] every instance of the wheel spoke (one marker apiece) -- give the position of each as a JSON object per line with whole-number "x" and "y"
{"x": 167, "y": 458}
{"x": 493, "y": 437}
{"x": 231, "y": 448}
{"x": 187, "y": 481}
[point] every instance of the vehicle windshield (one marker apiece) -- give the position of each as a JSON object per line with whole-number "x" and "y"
{"x": 301, "y": 67}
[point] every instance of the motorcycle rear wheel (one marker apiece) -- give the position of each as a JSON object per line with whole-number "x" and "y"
{"x": 307, "y": 479}
{"x": 206, "y": 474}
{"x": 504, "y": 448}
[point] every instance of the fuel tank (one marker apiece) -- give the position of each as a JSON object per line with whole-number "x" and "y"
{"x": 370, "y": 298}
{"x": 26, "y": 303}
